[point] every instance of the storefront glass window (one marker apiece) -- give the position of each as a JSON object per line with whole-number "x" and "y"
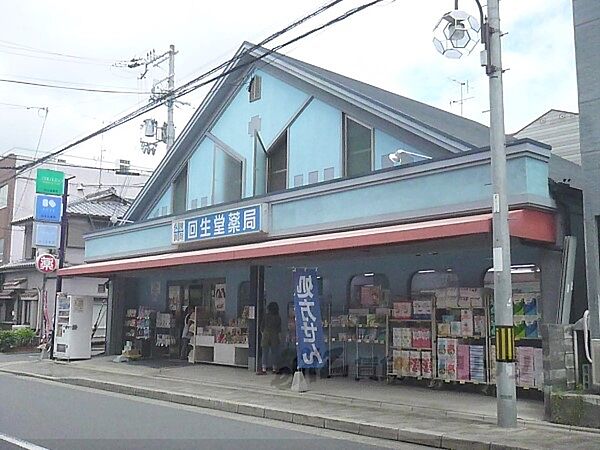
{"x": 426, "y": 280}
{"x": 369, "y": 290}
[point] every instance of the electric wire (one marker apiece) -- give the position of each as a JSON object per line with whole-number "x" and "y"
{"x": 72, "y": 88}
{"x": 22, "y": 47}
{"x": 201, "y": 80}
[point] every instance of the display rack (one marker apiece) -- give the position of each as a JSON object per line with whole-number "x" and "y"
{"x": 336, "y": 326}
{"x": 371, "y": 332}
{"x": 412, "y": 335}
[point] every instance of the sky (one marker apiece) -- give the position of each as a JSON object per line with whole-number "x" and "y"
{"x": 388, "y": 45}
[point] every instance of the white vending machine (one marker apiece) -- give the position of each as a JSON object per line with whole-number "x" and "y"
{"x": 73, "y": 325}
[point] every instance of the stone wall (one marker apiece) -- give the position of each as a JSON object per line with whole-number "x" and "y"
{"x": 559, "y": 362}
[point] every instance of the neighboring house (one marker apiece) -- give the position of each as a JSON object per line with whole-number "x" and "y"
{"x": 286, "y": 165}
{"x": 559, "y": 129}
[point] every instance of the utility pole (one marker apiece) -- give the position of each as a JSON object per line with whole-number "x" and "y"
{"x": 503, "y": 303}
{"x": 171, "y": 88}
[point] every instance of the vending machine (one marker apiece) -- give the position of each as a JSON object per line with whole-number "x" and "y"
{"x": 73, "y": 327}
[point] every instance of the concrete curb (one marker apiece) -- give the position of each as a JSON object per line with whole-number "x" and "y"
{"x": 402, "y": 434}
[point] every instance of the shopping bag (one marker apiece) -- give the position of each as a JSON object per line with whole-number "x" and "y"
{"x": 299, "y": 383}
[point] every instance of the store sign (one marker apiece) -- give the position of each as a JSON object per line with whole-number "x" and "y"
{"x": 48, "y": 208}
{"x": 46, "y": 263}
{"x": 233, "y": 222}
{"x": 309, "y": 326}
{"x": 46, "y": 235}
{"x": 49, "y": 182}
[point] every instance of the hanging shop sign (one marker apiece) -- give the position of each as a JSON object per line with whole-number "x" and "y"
{"x": 48, "y": 208}
{"x": 232, "y": 222}
{"x": 50, "y": 182}
{"x": 46, "y": 263}
{"x": 310, "y": 347}
{"x": 219, "y": 297}
{"x": 46, "y": 235}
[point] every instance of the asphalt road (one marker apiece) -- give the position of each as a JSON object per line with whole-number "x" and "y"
{"x": 56, "y": 416}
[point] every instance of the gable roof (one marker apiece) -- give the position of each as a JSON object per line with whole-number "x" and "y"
{"x": 550, "y": 111}
{"x": 452, "y": 132}
{"x": 468, "y": 131}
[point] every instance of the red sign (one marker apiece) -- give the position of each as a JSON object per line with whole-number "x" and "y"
{"x": 46, "y": 263}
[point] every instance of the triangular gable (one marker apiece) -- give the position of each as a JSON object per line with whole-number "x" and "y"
{"x": 399, "y": 112}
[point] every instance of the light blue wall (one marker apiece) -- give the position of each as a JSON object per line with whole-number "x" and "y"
{"x": 136, "y": 242}
{"x": 537, "y": 177}
{"x": 435, "y": 190}
{"x": 315, "y": 142}
{"x": 200, "y": 169}
{"x": 386, "y": 144}
{"x": 278, "y": 103}
{"x": 165, "y": 200}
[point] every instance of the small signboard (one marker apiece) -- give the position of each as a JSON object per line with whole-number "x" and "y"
{"x": 46, "y": 235}
{"x": 46, "y": 263}
{"x": 233, "y": 222}
{"x": 48, "y": 208}
{"x": 50, "y": 182}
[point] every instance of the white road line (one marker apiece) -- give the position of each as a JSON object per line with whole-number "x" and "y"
{"x": 21, "y": 443}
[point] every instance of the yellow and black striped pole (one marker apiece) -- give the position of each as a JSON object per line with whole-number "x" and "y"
{"x": 505, "y": 344}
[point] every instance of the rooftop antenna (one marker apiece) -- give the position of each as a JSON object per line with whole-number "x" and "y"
{"x": 464, "y": 86}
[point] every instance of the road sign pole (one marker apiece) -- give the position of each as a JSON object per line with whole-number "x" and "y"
{"x": 64, "y": 223}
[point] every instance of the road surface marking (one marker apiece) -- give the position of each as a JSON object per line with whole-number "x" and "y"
{"x": 21, "y": 443}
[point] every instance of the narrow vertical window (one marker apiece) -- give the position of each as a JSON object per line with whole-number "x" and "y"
{"x": 358, "y": 146}
{"x": 180, "y": 192}
{"x": 255, "y": 88}
{"x": 227, "y": 178}
{"x": 277, "y": 165}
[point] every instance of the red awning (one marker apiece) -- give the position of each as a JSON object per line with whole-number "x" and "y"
{"x": 532, "y": 225}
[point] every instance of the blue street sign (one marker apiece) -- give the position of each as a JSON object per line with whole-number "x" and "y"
{"x": 48, "y": 208}
{"x": 310, "y": 348}
{"x": 228, "y": 223}
{"x": 46, "y": 235}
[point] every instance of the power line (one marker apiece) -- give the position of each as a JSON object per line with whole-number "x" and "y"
{"x": 64, "y": 82}
{"x": 37, "y": 50}
{"x": 197, "y": 82}
{"x": 71, "y": 88}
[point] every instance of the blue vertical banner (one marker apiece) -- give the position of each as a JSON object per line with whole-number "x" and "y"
{"x": 310, "y": 347}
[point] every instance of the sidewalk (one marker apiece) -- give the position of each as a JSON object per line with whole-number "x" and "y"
{"x": 441, "y": 419}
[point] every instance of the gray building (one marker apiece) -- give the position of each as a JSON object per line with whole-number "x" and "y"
{"x": 586, "y": 17}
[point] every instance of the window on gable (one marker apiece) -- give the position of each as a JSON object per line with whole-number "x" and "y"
{"x": 255, "y": 88}
{"x": 277, "y": 161}
{"x": 4, "y": 196}
{"x": 358, "y": 148}
{"x": 180, "y": 192}
{"x": 227, "y": 178}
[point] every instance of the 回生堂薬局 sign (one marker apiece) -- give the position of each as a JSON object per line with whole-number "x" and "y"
{"x": 229, "y": 223}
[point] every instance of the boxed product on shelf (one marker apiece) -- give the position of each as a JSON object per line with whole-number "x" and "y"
{"x": 466, "y": 322}
{"x": 397, "y": 337}
{"x": 462, "y": 362}
{"x": 519, "y": 328}
{"x": 414, "y": 365}
{"x": 531, "y": 329}
{"x": 446, "y": 358}
{"x": 426, "y": 365}
{"x": 421, "y": 338}
{"x": 518, "y": 305}
{"x": 443, "y": 329}
{"x": 441, "y": 367}
{"x": 525, "y": 368}
{"x": 479, "y": 325}
{"x": 402, "y": 310}
{"x": 455, "y": 328}
{"x": 131, "y": 313}
{"x": 538, "y": 367}
{"x": 370, "y": 296}
{"x": 406, "y": 337}
{"x": 397, "y": 361}
{"x": 530, "y": 302}
{"x": 382, "y": 312}
{"x": 371, "y": 320}
{"x": 405, "y": 362}
{"x": 163, "y": 320}
{"x": 452, "y": 296}
{"x": 477, "y": 362}
{"x": 422, "y": 309}
{"x": 440, "y": 298}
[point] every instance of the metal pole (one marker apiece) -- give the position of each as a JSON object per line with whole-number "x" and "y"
{"x": 503, "y": 306}
{"x": 171, "y": 86}
{"x": 64, "y": 224}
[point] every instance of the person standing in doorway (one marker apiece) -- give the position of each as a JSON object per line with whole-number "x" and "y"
{"x": 186, "y": 334}
{"x": 271, "y": 328}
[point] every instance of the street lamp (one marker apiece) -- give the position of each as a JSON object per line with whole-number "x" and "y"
{"x": 455, "y": 39}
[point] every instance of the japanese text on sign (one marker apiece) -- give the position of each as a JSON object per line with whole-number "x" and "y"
{"x": 221, "y": 224}
{"x": 309, "y": 327}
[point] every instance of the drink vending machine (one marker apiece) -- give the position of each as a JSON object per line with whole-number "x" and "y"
{"x": 73, "y": 327}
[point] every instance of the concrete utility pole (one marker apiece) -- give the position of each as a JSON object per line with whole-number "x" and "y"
{"x": 503, "y": 304}
{"x": 171, "y": 88}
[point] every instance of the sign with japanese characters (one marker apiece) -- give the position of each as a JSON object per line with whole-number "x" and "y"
{"x": 233, "y": 222}
{"x": 46, "y": 263}
{"x": 49, "y": 182}
{"x": 48, "y": 208}
{"x": 310, "y": 348}
{"x": 46, "y": 235}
